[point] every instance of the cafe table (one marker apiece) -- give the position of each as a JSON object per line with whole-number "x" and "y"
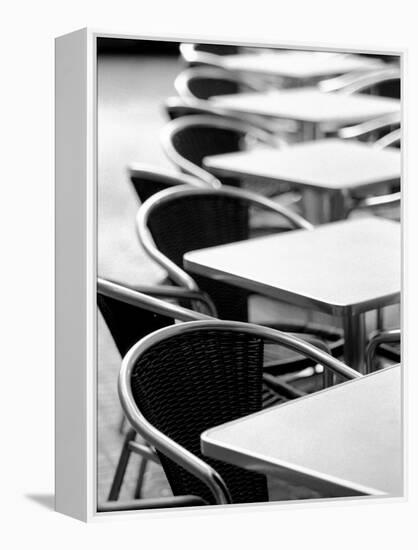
{"x": 315, "y": 111}
{"x": 299, "y": 67}
{"x": 328, "y": 172}
{"x": 342, "y": 441}
{"x": 344, "y": 268}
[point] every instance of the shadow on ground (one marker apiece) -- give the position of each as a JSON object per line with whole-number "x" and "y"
{"x": 45, "y": 500}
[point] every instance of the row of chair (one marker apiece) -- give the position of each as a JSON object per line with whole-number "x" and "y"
{"x": 191, "y": 357}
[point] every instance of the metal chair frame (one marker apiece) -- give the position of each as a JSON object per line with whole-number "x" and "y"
{"x": 151, "y": 503}
{"x": 167, "y": 446}
{"x": 182, "y": 81}
{"x": 381, "y": 337}
{"x": 146, "y": 297}
{"x": 390, "y": 199}
{"x": 354, "y": 82}
{"x": 370, "y": 126}
{"x": 246, "y": 129}
{"x": 192, "y": 56}
{"x": 175, "y": 273}
{"x": 168, "y": 178}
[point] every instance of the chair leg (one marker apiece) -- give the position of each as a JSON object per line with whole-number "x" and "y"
{"x": 121, "y": 467}
{"x": 141, "y": 474}
{"x": 122, "y": 424}
{"x": 380, "y": 320}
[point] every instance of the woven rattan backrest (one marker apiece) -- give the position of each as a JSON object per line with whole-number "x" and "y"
{"x": 199, "y": 221}
{"x": 204, "y": 88}
{"x": 190, "y": 382}
{"x": 218, "y": 49}
{"x": 198, "y": 141}
{"x": 145, "y": 186}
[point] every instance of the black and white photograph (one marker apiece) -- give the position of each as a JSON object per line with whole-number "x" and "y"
{"x": 248, "y": 274}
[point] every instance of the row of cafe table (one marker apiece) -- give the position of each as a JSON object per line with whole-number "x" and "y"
{"x": 344, "y": 268}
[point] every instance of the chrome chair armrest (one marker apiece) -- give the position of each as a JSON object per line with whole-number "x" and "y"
{"x": 148, "y": 301}
{"x": 389, "y": 139}
{"x": 372, "y": 79}
{"x": 151, "y": 503}
{"x": 167, "y": 291}
{"x": 358, "y": 130}
{"x": 377, "y": 339}
{"x": 374, "y": 203}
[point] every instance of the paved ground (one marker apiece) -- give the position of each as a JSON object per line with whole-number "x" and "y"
{"x": 131, "y": 91}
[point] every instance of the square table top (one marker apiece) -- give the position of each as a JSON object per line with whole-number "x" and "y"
{"x": 328, "y": 164}
{"x": 340, "y": 268}
{"x": 309, "y": 104}
{"x": 345, "y": 437}
{"x": 300, "y": 64}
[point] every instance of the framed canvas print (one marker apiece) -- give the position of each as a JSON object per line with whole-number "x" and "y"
{"x": 228, "y": 274}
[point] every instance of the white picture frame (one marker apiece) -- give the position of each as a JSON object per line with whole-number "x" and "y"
{"x": 76, "y": 266}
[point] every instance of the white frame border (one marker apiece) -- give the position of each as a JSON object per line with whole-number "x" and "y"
{"x": 76, "y": 482}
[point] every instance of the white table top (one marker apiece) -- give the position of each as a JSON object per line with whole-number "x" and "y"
{"x": 348, "y": 436}
{"x": 340, "y": 268}
{"x": 324, "y": 164}
{"x": 309, "y": 105}
{"x": 300, "y": 64}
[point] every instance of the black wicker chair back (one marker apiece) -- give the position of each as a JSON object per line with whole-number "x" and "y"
{"x": 218, "y": 49}
{"x": 145, "y": 186}
{"x": 195, "y": 142}
{"x": 127, "y": 323}
{"x": 199, "y": 221}
{"x": 175, "y": 107}
{"x": 147, "y": 180}
{"x": 204, "y": 88}
{"x": 191, "y": 382}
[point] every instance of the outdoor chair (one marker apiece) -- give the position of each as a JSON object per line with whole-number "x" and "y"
{"x": 179, "y": 220}
{"x": 182, "y": 380}
{"x": 188, "y": 140}
{"x": 131, "y": 314}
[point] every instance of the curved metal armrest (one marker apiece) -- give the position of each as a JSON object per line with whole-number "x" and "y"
{"x": 167, "y": 291}
{"x": 175, "y": 273}
{"x": 187, "y": 166}
{"x": 356, "y": 81}
{"x": 372, "y": 79}
{"x": 381, "y": 337}
{"x": 389, "y": 139}
{"x": 376, "y": 202}
{"x": 193, "y": 56}
{"x": 169, "y": 177}
{"x": 337, "y": 83}
{"x": 358, "y": 130}
{"x": 151, "y": 503}
{"x": 147, "y": 300}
